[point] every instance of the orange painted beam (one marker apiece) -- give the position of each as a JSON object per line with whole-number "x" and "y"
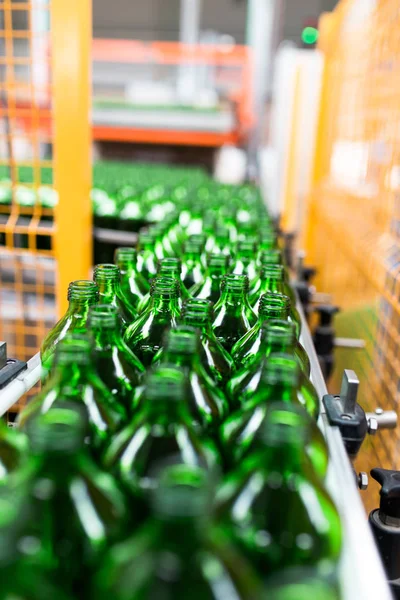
{"x": 165, "y": 136}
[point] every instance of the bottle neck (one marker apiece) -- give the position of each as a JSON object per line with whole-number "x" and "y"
{"x": 183, "y": 534}
{"x": 107, "y": 290}
{"x": 180, "y": 359}
{"x": 104, "y": 338}
{"x": 234, "y": 298}
{"x": 78, "y": 308}
{"x": 165, "y": 303}
{"x": 164, "y": 411}
{"x": 126, "y": 267}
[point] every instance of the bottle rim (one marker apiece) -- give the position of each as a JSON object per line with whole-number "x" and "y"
{"x": 165, "y": 287}
{"x": 270, "y": 302}
{"x": 271, "y": 271}
{"x": 106, "y": 272}
{"x": 83, "y": 289}
{"x": 235, "y": 283}
{"x": 198, "y": 305}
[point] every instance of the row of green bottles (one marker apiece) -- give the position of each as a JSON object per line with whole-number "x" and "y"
{"x": 178, "y": 374}
{"x": 182, "y": 518}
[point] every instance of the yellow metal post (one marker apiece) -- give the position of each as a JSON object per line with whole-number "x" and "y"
{"x": 71, "y": 32}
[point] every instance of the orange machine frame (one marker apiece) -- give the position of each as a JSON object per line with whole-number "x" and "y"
{"x": 175, "y": 53}
{"x": 169, "y": 53}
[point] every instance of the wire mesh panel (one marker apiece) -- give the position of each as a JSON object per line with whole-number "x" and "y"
{"x": 44, "y": 163}
{"x": 354, "y": 206}
{"x": 27, "y": 266}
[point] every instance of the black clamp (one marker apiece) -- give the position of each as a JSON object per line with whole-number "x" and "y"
{"x": 344, "y": 412}
{"x": 10, "y": 368}
{"x": 302, "y": 283}
{"x": 385, "y": 525}
{"x": 324, "y": 338}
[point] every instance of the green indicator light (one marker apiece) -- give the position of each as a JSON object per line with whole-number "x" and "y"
{"x": 309, "y": 35}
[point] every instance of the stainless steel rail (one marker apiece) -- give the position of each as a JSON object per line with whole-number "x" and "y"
{"x": 12, "y": 392}
{"x": 361, "y": 572}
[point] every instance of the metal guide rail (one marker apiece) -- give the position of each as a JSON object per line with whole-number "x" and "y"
{"x": 361, "y": 572}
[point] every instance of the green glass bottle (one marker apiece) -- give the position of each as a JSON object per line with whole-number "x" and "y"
{"x": 246, "y": 260}
{"x": 161, "y": 428}
{"x": 159, "y": 231}
{"x": 207, "y": 403}
{"x": 233, "y": 314}
{"x": 19, "y": 579}
{"x": 172, "y": 267}
{"x": 146, "y": 263}
{"x": 278, "y": 381}
{"x": 107, "y": 278}
{"x": 210, "y": 287}
{"x": 75, "y": 379}
{"x": 277, "y": 337}
{"x": 167, "y": 267}
{"x": 303, "y": 583}
{"x": 249, "y": 349}
{"x": 222, "y": 242}
{"x": 273, "y": 279}
{"x": 179, "y": 552}
{"x": 116, "y": 365}
{"x": 77, "y": 509}
{"x": 144, "y": 335}
{"x": 282, "y": 495}
{"x": 13, "y": 451}
{"x": 81, "y": 296}
{"x": 133, "y": 285}
{"x": 271, "y": 257}
{"x": 192, "y": 268}
{"x": 215, "y": 359}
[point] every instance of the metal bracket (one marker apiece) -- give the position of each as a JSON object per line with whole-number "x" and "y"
{"x": 344, "y": 412}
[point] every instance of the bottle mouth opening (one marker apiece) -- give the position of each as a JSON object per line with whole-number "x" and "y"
{"x": 235, "y": 283}
{"x": 60, "y": 430}
{"x": 106, "y": 272}
{"x": 198, "y": 306}
{"x": 271, "y": 301}
{"x": 272, "y": 271}
{"x": 183, "y": 491}
{"x": 83, "y": 289}
{"x": 165, "y": 287}
{"x": 103, "y": 316}
{"x": 281, "y": 369}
